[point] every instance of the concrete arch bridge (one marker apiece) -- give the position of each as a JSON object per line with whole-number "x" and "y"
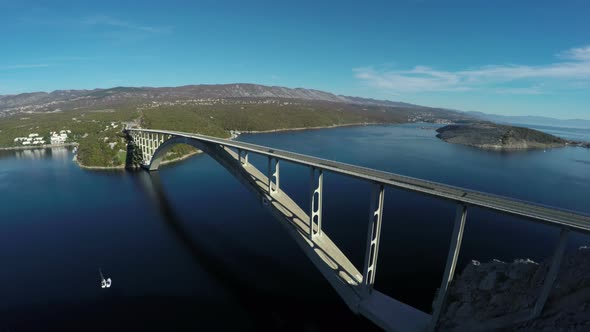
{"x": 356, "y": 288}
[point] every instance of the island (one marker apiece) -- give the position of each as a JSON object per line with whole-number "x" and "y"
{"x": 492, "y": 136}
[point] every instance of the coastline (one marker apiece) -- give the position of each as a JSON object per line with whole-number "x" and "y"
{"x": 318, "y": 127}
{"x": 184, "y": 157}
{"x": 506, "y": 148}
{"x": 122, "y": 167}
{"x": 35, "y": 147}
{"x": 181, "y": 158}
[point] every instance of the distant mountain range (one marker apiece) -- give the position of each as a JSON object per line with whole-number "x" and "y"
{"x": 532, "y": 120}
{"x": 60, "y": 100}
{"x": 68, "y": 99}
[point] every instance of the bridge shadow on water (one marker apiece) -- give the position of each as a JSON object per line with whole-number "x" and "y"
{"x": 264, "y": 294}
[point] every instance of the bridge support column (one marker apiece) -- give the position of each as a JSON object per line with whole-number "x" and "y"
{"x": 273, "y": 191}
{"x": 551, "y": 274}
{"x": 150, "y": 144}
{"x": 316, "y": 192}
{"x": 148, "y": 150}
{"x": 460, "y": 218}
{"x": 373, "y": 236}
{"x": 243, "y": 159}
{"x": 144, "y": 148}
{"x": 150, "y": 147}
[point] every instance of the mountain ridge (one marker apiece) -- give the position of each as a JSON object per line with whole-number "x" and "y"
{"x": 532, "y": 120}
{"x": 49, "y": 101}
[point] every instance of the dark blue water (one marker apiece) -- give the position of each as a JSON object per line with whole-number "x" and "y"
{"x": 576, "y": 134}
{"x": 189, "y": 247}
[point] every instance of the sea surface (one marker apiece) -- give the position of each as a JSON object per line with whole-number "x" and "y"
{"x": 188, "y": 247}
{"x": 575, "y": 134}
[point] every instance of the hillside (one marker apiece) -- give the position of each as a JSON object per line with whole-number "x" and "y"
{"x": 532, "y": 120}
{"x": 72, "y": 99}
{"x": 96, "y": 117}
{"x": 487, "y": 135}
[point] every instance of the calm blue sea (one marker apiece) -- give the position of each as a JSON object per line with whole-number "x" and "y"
{"x": 568, "y": 133}
{"x": 189, "y": 247}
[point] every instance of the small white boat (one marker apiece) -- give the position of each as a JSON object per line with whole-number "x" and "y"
{"x": 104, "y": 283}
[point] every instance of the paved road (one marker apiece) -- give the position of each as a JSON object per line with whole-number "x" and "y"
{"x": 550, "y": 215}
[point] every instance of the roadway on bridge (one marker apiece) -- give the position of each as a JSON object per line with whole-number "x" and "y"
{"x": 550, "y": 215}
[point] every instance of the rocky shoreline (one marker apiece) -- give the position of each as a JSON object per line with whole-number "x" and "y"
{"x": 498, "y": 295}
{"x": 122, "y": 167}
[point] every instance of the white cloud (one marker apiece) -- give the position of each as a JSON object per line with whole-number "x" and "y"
{"x": 533, "y": 90}
{"x": 23, "y": 66}
{"x": 579, "y": 53}
{"x": 117, "y": 23}
{"x": 426, "y": 79}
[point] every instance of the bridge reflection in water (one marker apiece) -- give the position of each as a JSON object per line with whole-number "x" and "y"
{"x": 355, "y": 288}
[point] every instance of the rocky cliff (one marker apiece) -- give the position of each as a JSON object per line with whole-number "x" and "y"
{"x": 486, "y": 296}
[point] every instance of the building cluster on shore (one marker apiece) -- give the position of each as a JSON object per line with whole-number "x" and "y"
{"x": 35, "y": 139}
{"x": 216, "y": 101}
{"x": 59, "y": 138}
{"x": 428, "y": 117}
{"x": 234, "y": 134}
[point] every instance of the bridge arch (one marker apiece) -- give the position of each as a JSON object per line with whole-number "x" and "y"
{"x": 160, "y": 153}
{"x": 328, "y": 258}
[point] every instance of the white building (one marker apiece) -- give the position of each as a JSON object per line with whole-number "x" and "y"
{"x": 58, "y": 139}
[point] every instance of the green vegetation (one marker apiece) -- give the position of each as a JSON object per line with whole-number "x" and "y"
{"x": 179, "y": 151}
{"x": 88, "y": 128}
{"x": 487, "y": 135}
{"x": 121, "y": 155}
{"x": 102, "y": 145}
{"x": 216, "y": 120}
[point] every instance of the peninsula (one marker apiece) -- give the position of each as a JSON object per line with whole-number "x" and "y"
{"x": 492, "y": 136}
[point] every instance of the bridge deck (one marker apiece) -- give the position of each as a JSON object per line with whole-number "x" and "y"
{"x": 550, "y": 215}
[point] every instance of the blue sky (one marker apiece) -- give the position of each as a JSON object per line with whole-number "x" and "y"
{"x": 503, "y": 57}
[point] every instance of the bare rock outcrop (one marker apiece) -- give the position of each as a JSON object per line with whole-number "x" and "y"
{"x": 498, "y": 295}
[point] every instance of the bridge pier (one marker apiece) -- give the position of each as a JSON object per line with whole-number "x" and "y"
{"x": 373, "y": 237}
{"x": 316, "y": 193}
{"x": 551, "y": 274}
{"x": 273, "y": 190}
{"x": 243, "y": 159}
{"x": 457, "y": 237}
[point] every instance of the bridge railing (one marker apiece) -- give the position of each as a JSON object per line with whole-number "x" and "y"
{"x": 465, "y": 199}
